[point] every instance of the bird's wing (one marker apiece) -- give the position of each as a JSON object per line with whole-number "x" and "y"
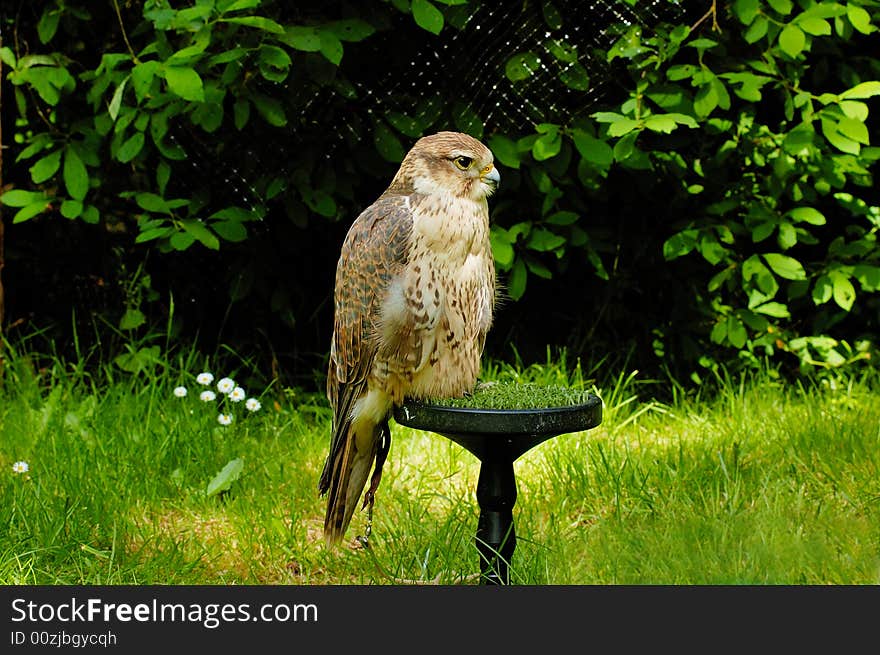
{"x": 373, "y": 255}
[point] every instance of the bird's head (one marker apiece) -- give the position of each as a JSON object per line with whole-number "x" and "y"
{"x": 449, "y": 163}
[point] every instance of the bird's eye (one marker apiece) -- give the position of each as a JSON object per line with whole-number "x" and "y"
{"x": 463, "y": 163}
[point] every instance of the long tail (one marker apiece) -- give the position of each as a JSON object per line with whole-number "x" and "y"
{"x": 347, "y": 470}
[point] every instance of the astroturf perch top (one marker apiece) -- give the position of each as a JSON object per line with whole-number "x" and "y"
{"x": 515, "y": 395}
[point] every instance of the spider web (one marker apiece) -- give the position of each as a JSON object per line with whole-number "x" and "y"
{"x": 465, "y": 65}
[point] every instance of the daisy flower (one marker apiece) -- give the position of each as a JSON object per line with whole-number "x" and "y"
{"x": 207, "y": 396}
{"x": 20, "y": 467}
{"x": 224, "y": 419}
{"x": 237, "y": 395}
{"x": 180, "y": 392}
{"x": 252, "y": 404}
{"x": 226, "y": 385}
{"x": 204, "y": 378}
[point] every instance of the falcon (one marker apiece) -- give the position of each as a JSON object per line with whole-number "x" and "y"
{"x": 413, "y": 301}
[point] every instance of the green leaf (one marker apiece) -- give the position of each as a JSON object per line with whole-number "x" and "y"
{"x": 792, "y": 40}
{"x": 814, "y": 26}
{"x": 130, "y": 147}
{"x": 387, "y": 144}
{"x": 138, "y": 360}
{"x": 868, "y": 276}
{"x": 46, "y": 167}
{"x": 224, "y": 479}
{"x": 48, "y": 24}
{"x": 230, "y": 230}
{"x": 719, "y": 332}
{"x": 822, "y": 290}
{"x": 562, "y": 50}
{"x": 22, "y": 198}
{"x": 774, "y": 309}
{"x": 853, "y": 129}
{"x": 661, "y": 123}
{"x": 785, "y": 266}
{"x": 551, "y": 15}
{"x": 116, "y": 100}
{"x": 843, "y": 292}
{"x": 411, "y": 127}
{"x": 467, "y": 120}
{"x": 757, "y": 30}
{"x": 8, "y": 57}
{"x": 270, "y": 109}
{"x": 736, "y": 332}
{"x": 787, "y": 235}
{"x": 163, "y": 174}
{"x": 29, "y": 211}
{"x": 706, "y": 100}
{"x": 516, "y": 281}
{"x": 257, "y": 22}
{"x": 427, "y": 16}
{"x": 854, "y": 109}
{"x": 184, "y": 82}
{"x": 746, "y": 10}
{"x": 547, "y": 147}
{"x": 331, "y": 48}
{"x": 131, "y": 319}
{"x": 679, "y": 244}
{"x": 181, "y": 240}
{"x": 71, "y": 208}
{"x": 151, "y": 234}
{"x": 302, "y": 38}
{"x": 562, "y": 218}
{"x": 521, "y": 66}
{"x": 862, "y": 91}
{"x": 504, "y": 150}
{"x": 90, "y": 215}
{"x": 201, "y": 232}
{"x": 544, "y": 240}
{"x": 152, "y": 203}
{"x": 783, "y": 7}
{"x": 860, "y": 18}
{"x": 807, "y": 215}
{"x": 76, "y": 177}
{"x": 838, "y": 140}
{"x": 241, "y": 111}
{"x": 593, "y": 150}
{"x": 575, "y": 77}
{"x": 352, "y": 29}
{"x": 621, "y": 127}
{"x": 502, "y": 249}
{"x": 239, "y": 5}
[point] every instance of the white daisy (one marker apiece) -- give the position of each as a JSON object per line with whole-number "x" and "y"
{"x": 20, "y": 467}
{"x": 224, "y": 419}
{"x": 204, "y": 378}
{"x": 207, "y": 396}
{"x": 253, "y": 404}
{"x": 237, "y": 395}
{"x": 226, "y": 385}
{"x": 180, "y": 392}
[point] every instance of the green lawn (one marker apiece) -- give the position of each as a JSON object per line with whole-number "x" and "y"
{"x": 756, "y": 483}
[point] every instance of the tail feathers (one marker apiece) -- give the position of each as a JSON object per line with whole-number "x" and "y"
{"x": 348, "y": 473}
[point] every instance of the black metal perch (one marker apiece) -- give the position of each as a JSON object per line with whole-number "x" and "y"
{"x": 497, "y": 437}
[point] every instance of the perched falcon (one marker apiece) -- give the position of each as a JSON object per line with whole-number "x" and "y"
{"x": 415, "y": 290}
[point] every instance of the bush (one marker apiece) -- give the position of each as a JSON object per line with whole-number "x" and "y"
{"x": 717, "y": 206}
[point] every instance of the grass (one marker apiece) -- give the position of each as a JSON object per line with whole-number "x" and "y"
{"x": 516, "y": 395}
{"x": 754, "y": 483}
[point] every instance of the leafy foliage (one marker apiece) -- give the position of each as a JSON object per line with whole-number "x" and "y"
{"x": 729, "y": 175}
{"x": 759, "y": 133}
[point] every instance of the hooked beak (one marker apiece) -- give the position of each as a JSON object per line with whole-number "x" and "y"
{"x": 491, "y": 176}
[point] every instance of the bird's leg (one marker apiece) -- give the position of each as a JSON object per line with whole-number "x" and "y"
{"x": 384, "y": 445}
